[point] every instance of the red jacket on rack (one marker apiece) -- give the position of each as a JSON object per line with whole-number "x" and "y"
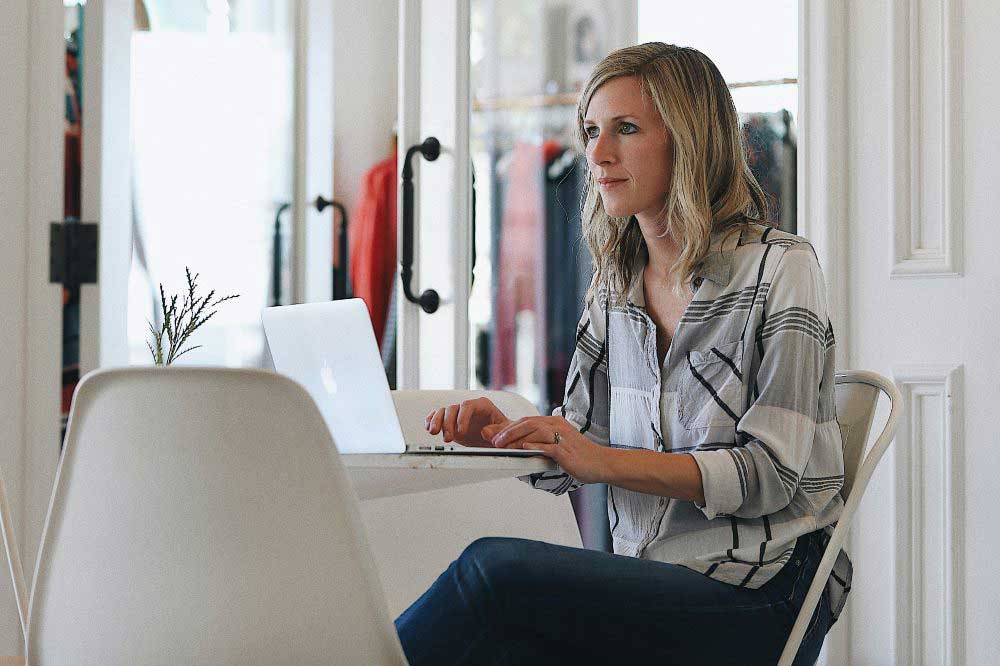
{"x": 372, "y": 242}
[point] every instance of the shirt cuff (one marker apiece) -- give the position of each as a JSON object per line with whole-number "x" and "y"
{"x": 720, "y": 481}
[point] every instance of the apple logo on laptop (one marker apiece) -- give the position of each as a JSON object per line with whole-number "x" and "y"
{"x": 326, "y": 374}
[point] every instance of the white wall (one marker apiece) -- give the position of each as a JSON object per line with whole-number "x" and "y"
{"x": 364, "y": 91}
{"x": 31, "y": 186}
{"x": 931, "y": 504}
{"x": 13, "y": 255}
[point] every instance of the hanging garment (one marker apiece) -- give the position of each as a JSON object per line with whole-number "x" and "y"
{"x": 520, "y": 260}
{"x": 764, "y": 157}
{"x": 372, "y": 242}
{"x": 72, "y": 202}
{"x": 567, "y": 268}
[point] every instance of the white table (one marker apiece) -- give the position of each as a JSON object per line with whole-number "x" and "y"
{"x": 391, "y": 474}
{"x": 418, "y": 520}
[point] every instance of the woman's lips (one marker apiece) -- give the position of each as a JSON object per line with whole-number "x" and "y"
{"x": 607, "y": 184}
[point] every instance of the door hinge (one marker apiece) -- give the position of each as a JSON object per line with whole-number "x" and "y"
{"x": 73, "y": 253}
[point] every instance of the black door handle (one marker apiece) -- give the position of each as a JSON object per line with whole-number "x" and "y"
{"x": 276, "y": 254}
{"x": 429, "y": 299}
{"x": 340, "y": 275}
{"x": 472, "y": 269}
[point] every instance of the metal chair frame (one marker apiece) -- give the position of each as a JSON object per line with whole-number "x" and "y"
{"x": 858, "y": 470}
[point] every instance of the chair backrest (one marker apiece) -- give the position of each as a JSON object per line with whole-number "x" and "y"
{"x": 202, "y": 515}
{"x": 856, "y": 401}
{"x": 856, "y": 397}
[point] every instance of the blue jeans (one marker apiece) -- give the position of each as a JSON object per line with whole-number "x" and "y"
{"x": 516, "y": 601}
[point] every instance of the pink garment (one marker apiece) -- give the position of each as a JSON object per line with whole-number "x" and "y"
{"x": 521, "y": 260}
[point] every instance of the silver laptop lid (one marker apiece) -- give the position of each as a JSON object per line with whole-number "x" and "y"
{"x": 330, "y": 349}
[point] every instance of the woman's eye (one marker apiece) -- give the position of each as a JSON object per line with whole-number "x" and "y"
{"x": 592, "y": 130}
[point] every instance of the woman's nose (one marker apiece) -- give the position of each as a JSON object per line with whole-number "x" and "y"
{"x": 601, "y": 150}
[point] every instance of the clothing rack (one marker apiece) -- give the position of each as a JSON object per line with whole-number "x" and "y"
{"x": 500, "y": 129}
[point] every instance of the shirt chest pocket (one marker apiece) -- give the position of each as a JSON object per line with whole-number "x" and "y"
{"x": 631, "y": 425}
{"x": 710, "y": 390}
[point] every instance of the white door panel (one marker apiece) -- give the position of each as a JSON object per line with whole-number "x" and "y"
{"x": 433, "y": 348}
{"x": 106, "y": 179}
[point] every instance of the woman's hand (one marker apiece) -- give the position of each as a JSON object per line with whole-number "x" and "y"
{"x": 575, "y": 453}
{"x": 464, "y": 423}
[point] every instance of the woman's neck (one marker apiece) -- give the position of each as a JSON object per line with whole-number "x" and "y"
{"x": 663, "y": 251}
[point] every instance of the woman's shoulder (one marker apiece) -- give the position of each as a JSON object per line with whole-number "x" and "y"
{"x": 760, "y": 240}
{"x": 760, "y": 236}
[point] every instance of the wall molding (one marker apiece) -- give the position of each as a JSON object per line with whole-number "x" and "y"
{"x": 924, "y": 127}
{"x": 822, "y": 189}
{"x": 408, "y": 102}
{"x": 822, "y": 164}
{"x": 929, "y": 512}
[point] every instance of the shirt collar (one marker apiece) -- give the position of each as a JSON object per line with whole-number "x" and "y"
{"x": 717, "y": 265}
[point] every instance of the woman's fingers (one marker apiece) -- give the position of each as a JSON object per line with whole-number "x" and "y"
{"x": 502, "y": 436}
{"x": 450, "y": 415}
{"x": 467, "y": 410}
{"x": 437, "y": 418}
{"x": 455, "y": 422}
{"x": 514, "y": 436}
{"x": 491, "y": 430}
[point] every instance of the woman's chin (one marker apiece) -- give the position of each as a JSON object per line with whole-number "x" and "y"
{"x": 613, "y": 207}
{"x": 618, "y": 211}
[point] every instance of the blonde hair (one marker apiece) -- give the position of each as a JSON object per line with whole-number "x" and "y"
{"x": 712, "y": 186}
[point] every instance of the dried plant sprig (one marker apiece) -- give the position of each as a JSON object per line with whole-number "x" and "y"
{"x": 181, "y": 320}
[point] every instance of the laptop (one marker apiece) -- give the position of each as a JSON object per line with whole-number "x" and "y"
{"x": 330, "y": 349}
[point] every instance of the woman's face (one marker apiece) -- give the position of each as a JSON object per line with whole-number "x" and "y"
{"x": 629, "y": 149}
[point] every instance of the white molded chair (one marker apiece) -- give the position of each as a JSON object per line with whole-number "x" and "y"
{"x": 202, "y": 515}
{"x": 857, "y": 394}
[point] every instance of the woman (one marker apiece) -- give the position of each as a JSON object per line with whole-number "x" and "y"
{"x": 701, "y": 392}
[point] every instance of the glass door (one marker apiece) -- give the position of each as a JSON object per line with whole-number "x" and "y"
{"x": 208, "y": 135}
{"x": 432, "y": 342}
{"x": 213, "y": 89}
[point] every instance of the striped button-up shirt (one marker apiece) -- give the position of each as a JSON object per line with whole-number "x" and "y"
{"x": 746, "y": 388}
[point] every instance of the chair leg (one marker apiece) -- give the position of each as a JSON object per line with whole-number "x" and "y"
{"x": 14, "y": 561}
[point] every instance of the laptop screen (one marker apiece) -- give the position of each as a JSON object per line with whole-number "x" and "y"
{"x": 329, "y": 348}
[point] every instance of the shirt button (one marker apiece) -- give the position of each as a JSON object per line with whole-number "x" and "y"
{"x": 662, "y": 501}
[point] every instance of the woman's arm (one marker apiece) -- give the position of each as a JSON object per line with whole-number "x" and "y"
{"x": 666, "y": 474}
{"x": 791, "y": 405}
